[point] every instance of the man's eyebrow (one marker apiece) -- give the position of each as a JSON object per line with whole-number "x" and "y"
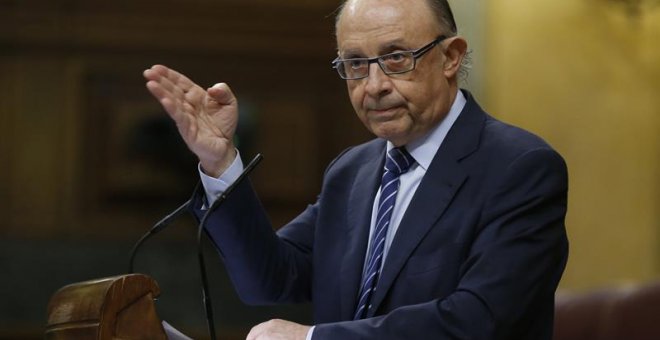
{"x": 397, "y": 44}
{"x": 351, "y": 53}
{"x": 390, "y": 46}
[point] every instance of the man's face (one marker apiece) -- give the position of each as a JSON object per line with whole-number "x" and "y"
{"x": 399, "y": 107}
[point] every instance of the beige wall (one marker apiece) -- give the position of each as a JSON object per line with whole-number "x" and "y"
{"x": 585, "y": 75}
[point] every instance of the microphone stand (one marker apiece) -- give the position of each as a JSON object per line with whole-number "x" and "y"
{"x": 158, "y": 227}
{"x": 206, "y": 294}
{"x": 167, "y": 220}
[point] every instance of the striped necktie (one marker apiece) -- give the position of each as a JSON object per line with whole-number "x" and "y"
{"x": 398, "y": 161}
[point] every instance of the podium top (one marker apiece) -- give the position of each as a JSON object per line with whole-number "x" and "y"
{"x": 108, "y": 308}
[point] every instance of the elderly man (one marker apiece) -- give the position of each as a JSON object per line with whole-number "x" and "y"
{"x": 448, "y": 225}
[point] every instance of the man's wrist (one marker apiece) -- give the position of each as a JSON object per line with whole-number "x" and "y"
{"x": 215, "y": 186}
{"x": 215, "y": 168}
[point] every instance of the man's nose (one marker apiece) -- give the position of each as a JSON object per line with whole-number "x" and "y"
{"x": 378, "y": 83}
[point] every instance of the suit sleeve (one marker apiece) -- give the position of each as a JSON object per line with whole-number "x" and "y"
{"x": 511, "y": 272}
{"x": 264, "y": 268}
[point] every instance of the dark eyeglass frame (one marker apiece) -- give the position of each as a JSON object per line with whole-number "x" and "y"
{"x": 415, "y": 54}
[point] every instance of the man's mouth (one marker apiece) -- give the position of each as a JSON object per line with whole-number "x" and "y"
{"x": 383, "y": 110}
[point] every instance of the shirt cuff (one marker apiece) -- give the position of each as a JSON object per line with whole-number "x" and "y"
{"x": 309, "y": 333}
{"x": 214, "y": 187}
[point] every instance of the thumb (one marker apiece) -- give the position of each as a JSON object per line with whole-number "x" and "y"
{"x": 222, "y": 94}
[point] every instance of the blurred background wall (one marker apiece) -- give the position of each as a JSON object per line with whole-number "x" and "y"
{"x": 585, "y": 75}
{"x": 88, "y": 160}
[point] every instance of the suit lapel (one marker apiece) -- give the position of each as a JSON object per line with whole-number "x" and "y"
{"x": 436, "y": 191}
{"x": 359, "y": 209}
{"x": 429, "y": 202}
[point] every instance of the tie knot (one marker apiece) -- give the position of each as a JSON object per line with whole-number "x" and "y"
{"x": 398, "y": 161}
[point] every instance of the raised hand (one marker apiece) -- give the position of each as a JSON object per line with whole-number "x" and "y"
{"x": 206, "y": 119}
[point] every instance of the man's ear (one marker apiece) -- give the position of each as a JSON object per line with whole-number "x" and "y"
{"x": 454, "y": 54}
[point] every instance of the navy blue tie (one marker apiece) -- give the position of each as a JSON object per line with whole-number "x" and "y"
{"x": 398, "y": 161}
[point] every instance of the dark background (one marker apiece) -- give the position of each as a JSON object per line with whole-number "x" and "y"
{"x": 92, "y": 160}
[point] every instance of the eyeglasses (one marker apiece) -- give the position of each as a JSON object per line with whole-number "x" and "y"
{"x": 391, "y": 63}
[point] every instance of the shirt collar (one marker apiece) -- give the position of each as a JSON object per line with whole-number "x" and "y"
{"x": 424, "y": 148}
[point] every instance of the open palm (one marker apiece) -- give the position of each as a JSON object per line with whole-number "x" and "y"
{"x": 206, "y": 119}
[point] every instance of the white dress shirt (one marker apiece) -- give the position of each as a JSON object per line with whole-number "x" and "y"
{"x": 423, "y": 150}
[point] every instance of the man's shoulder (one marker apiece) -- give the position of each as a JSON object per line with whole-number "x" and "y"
{"x": 502, "y": 135}
{"x": 478, "y": 133}
{"x": 497, "y": 133}
{"x": 503, "y": 144}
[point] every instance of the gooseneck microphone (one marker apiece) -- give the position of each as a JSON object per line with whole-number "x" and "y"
{"x": 206, "y": 294}
{"x": 186, "y": 206}
{"x": 158, "y": 227}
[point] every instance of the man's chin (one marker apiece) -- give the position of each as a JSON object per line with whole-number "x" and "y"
{"x": 395, "y": 134}
{"x": 386, "y": 115}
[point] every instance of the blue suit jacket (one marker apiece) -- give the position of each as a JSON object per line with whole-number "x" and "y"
{"x": 478, "y": 254}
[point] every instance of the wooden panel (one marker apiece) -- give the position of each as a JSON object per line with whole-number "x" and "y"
{"x": 170, "y": 25}
{"x": 75, "y": 166}
{"x": 41, "y": 95}
{"x": 7, "y": 109}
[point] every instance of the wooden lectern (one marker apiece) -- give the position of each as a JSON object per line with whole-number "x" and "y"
{"x": 118, "y": 307}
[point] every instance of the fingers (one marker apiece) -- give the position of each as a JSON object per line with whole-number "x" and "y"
{"x": 169, "y": 81}
{"x": 222, "y": 94}
{"x": 161, "y": 88}
{"x": 164, "y": 82}
{"x": 176, "y": 93}
{"x": 173, "y": 78}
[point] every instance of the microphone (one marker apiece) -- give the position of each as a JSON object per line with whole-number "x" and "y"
{"x": 167, "y": 220}
{"x": 206, "y": 294}
{"x": 158, "y": 227}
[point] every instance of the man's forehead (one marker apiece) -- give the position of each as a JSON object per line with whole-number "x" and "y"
{"x": 374, "y": 14}
{"x": 370, "y": 12}
{"x": 357, "y": 6}
{"x": 354, "y": 4}
{"x": 383, "y": 22}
